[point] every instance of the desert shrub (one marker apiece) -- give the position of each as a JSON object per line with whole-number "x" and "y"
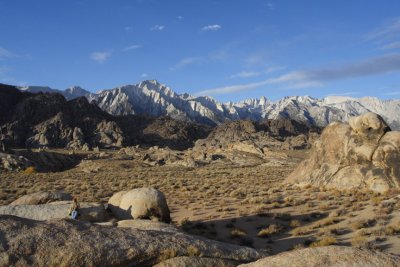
{"x": 270, "y": 230}
{"x": 193, "y": 251}
{"x": 325, "y": 241}
{"x": 298, "y": 246}
{"x": 362, "y": 224}
{"x": 30, "y": 170}
{"x": 392, "y": 229}
{"x": 359, "y": 241}
{"x": 301, "y": 231}
{"x": 236, "y": 232}
{"x": 326, "y": 222}
{"x": 294, "y": 223}
{"x": 376, "y": 200}
{"x": 167, "y": 253}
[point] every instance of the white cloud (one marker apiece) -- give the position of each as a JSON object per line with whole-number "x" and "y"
{"x": 387, "y": 31}
{"x": 144, "y": 75}
{"x": 392, "y": 45}
{"x": 4, "y": 53}
{"x": 132, "y": 47}
{"x": 317, "y": 77}
{"x": 100, "y": 57}
{"x": 214, "y": 27}
{"x": 184, "y": 62}
{"x": 393, "y": 93}
{"x": 270, "y": 6}
{"x": 157, "y": 28}
{"x": 249, "y": 74}
{"x": 256, "y": 59}
{"x": 128, "y": 28}
{"x": 245, "y": 74}
{"x": 387, "y": 36}
{"x": 344, "y": 94}
{"x": 180, "y": 17}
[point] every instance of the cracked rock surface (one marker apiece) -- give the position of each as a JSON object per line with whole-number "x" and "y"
{"x": 363, "y": 153}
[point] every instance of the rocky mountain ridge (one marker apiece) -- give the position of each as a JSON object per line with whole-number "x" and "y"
{"x": 49, "y": 120}
{"x": 155, "y": 99}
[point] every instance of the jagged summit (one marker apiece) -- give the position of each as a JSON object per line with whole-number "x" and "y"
{"x": 153, "y": 98}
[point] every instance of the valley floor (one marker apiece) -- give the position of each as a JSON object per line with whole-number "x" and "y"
{"x": 247, "y": 205}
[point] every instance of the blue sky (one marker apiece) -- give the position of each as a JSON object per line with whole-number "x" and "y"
{"x": 231, "y": 49}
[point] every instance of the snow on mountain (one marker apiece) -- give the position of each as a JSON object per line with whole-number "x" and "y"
{"x": 155, "y": 99}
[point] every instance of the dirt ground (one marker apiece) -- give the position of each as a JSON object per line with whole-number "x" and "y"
{"x": 247, "y": 205}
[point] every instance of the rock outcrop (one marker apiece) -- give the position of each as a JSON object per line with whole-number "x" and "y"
{"x": 254, "y": 137}
{"x": 92, "y": 212}
{"x": 49, "y": 120}
{"x": 12, "y": 162}
{"x": 328, "y": 256}
{"x": 74, "y": 243}
{"x": 42, "y": 198}
{"x": 140, "y": 203}
{"x": 361, "y": 154}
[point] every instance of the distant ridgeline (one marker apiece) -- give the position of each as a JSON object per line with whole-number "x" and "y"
{"x": 49, "y": 120}
{"x": 154, "y": 99}
{"x": 152, "y": 114}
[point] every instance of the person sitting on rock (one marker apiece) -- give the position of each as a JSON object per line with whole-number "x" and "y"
{"x": 74, "y": 210}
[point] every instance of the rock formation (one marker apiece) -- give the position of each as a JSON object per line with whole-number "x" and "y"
{"x": 75, "y": 243}
{"x": 361, "y": 154}
{"x": 42, "y": 198}
{"x": 12, "y": 162}
{"x": 328, "y": 256}
{"x": 140, "y": 203}
{"x": 259, "y": 135}
{"x": 92, "y": 212}
{"x": 49, "y": 120}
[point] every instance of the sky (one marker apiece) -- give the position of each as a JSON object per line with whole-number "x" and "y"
{"x": 228, "y": 49}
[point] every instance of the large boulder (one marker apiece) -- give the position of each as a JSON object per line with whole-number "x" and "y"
{"x": 92, "y": 212}
{"x": 328, "y": 256}
{"x": 73, "y": 243}
{"x": 42, "y": 198}
{"x": 140, "y": 203}
{"x": 361, "y": 154}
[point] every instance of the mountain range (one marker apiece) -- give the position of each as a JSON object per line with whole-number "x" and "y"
{"x": 155, "y": 99}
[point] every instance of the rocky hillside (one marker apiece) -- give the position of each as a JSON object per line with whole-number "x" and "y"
{"x": 155, "y": 99}
{"x": 265, "y": 134}
{"x": 49, "y": 120}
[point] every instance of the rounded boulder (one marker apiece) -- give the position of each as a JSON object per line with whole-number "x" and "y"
{"x": 140, "y": 203}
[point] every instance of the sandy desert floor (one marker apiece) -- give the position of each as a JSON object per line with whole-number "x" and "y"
{"x": 247, "y": 205}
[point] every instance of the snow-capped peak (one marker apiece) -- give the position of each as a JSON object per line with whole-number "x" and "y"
{"x": 153, "y": 98}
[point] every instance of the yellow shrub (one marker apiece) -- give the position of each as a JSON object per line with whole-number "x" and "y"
{"x": 30, "y": 170}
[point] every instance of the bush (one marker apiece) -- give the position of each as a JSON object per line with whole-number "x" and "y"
{"x": 270, "y": 230}
{"x": 238, "y": 233}
{"x": 30, "y": 170}
{"x": 325, "y": 241}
